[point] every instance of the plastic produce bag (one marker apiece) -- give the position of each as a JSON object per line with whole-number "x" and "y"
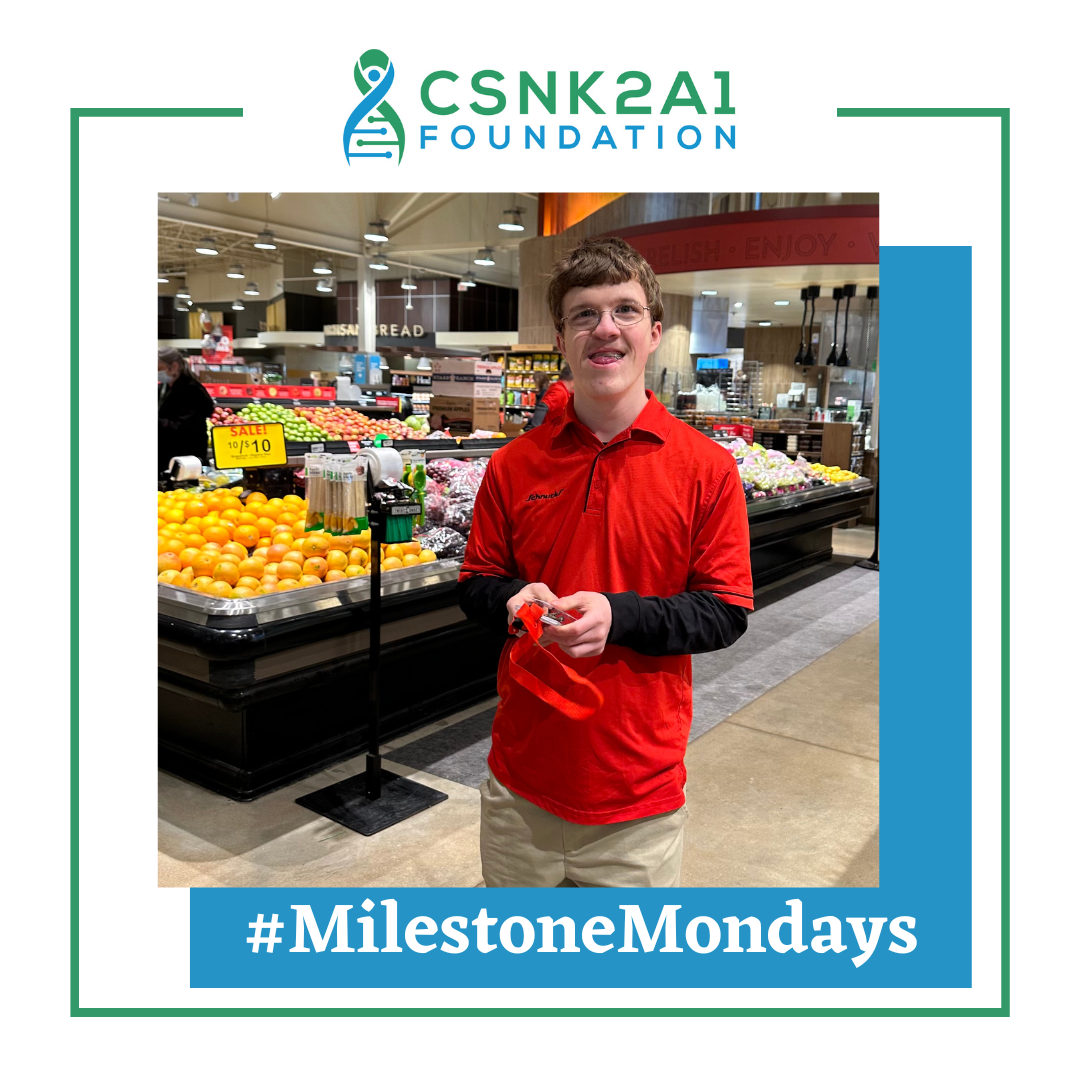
{"x": 446, "y": 543}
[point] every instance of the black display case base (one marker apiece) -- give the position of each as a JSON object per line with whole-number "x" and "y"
{"x": 346, "y": 802}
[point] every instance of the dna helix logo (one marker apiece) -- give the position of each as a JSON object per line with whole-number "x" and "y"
{"x": 373, "y": 75}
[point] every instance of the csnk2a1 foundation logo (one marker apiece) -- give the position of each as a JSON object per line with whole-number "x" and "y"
{"x": 638, "y": 113}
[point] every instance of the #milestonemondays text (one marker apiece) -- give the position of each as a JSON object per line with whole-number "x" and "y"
{"x": 377, "y": 931}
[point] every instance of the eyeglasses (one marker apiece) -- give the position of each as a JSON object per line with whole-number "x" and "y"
{"x": 588, "y": 319}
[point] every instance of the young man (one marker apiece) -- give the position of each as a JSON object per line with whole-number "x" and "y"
{"x": 632, "y": 519}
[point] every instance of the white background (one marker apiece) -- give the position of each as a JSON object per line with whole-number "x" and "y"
{"x": 289, "y": 67}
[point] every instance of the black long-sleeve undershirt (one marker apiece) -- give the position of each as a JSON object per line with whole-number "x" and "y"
{"x": 689, "y": 622}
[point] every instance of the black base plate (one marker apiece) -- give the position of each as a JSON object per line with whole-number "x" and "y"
{"x": 346, "y": 802}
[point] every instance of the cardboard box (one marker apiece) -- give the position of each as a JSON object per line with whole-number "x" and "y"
{"x": 466, "y": 366}
{"x": 466, "y": 386}
{"x": 479, "y": 412}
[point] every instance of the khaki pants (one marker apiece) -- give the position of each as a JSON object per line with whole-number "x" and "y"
{"x": 522, "y": 846}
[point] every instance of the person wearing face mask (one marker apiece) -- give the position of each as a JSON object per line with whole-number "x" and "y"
{"x": 618, "y": 512}
{"x": 184, "y": 406}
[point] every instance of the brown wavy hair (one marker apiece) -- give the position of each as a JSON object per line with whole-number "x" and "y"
{"x": 602, "y": 260}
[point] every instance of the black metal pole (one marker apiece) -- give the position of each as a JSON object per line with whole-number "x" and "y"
{"x": 377, "y": 523}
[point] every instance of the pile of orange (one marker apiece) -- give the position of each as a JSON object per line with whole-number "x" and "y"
{"x": 216, "y": 543}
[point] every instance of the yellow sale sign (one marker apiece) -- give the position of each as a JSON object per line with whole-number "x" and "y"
{"x": 248, "y": 446}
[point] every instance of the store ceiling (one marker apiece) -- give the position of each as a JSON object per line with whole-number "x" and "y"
{"x": 436, "y": 233}
{"x": 757, "y": 288}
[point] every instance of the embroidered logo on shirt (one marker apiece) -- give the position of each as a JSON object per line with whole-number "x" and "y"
{"x": 552, "y": 495}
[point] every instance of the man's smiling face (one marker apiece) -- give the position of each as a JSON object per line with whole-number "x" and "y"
{"x": 610, "y": 359}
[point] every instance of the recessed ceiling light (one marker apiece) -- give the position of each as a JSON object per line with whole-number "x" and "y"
{"x": 322, "y": 267}
{"x": 265, "y": 241}
{"x": 206, "y": 246}
{"x": 737, "y": 304}
{"x": 251, "y": 289}
{"x": 483, "y": 258}
{"x": 376, "y": 232}
{"x": 781, "y": 303}
{"x": 512, "y": 220}
{"x": 708, "y": 292}
{"x": 236, "y": 271}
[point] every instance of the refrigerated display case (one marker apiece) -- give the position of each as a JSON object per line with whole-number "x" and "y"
{"x": 257, "y": 693}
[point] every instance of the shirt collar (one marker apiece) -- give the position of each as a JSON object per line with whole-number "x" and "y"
{"x": 652, "y": 423}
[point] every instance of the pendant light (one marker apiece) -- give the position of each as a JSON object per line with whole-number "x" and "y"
{"x": 837, "y": 293}
{"x": 849, "y": 292}
{"x": 376, "y": 232}
{"x": 324, "y": 285}
{"x": 265, "y": 240}
{"x": 804, "y": 295}
{"x": 206, "y": 246}
{"x": 814, "y": 291}
{"x": 236, "y": 271}
{"x": 484, "y": 257}
{"x": 237, "y": 305}
{"x": 251, "y": 289}
{"x": 511, "y": 221}
{"x": 322, "y": 267}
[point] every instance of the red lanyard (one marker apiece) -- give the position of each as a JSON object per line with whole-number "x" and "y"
{"x": 529, "y": 614}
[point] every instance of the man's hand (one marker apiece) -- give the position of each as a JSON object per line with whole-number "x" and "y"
{"x": 536, "y": 591}
{"x": 587, "y": 635}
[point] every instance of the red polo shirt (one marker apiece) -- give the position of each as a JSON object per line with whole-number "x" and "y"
{"x": 659, "y": 510}
{"x": 555, "y": 398}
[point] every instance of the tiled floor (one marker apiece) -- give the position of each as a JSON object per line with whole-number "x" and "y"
{"x": 782, "y": 770}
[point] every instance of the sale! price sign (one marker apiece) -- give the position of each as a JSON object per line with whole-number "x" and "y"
{"x": 249, "y": 446}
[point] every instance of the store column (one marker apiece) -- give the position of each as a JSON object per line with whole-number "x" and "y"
{"x": 365, "y": 306}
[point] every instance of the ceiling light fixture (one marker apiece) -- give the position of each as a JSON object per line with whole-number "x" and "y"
{"x": 193, "y": 201}
{"x": 837, "y": 293}
{"x": 237, "y": 305}
{"x": 737, "y": 304}
{"x": 764, "y": 322}
{"x": 162, "y": 280}
{"x": 814, "y": 291}
{"x": 377, "y": 232}
{"x": 849, "y": 292}
{"x": 483, "y": 257}
{"x": 324, "y": 285}
{"x": 275, "y": 194}
{"x": 804, "y": 296}
{"x": 708, "y": 292}
{"x": 781, "y": 303}
{"x": 407, "y": 284}
{"x": 265, "y": 241}
{"x": 251, "y": 289}
{"x": 512, "y": 220}
{"x": 468, "y": 281}
{"x": 322, "y": 267}
{"x": 236, "y": 271}
{"x": 378, "y": 264}
{"x": 183, "y": 294}
{"x": 206, "y": 246}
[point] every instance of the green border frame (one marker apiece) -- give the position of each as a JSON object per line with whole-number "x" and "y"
{"x": 1003, "y": 1010}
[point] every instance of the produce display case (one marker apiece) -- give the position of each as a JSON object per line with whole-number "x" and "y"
{"x": 256, "y": 693}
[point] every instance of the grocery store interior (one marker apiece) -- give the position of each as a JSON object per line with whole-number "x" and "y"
{"x": 331, "y": 329}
